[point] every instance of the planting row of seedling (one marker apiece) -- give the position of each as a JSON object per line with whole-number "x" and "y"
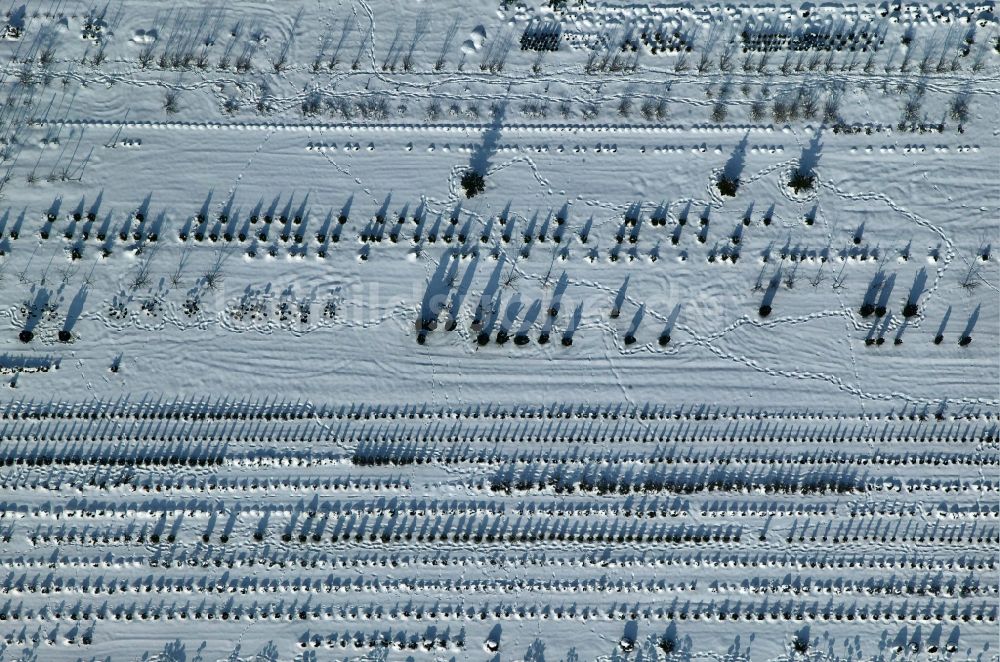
{"x": 431, "y": 639}
{"x": 172, "y": 484}
{"x": 290, "y": 558}
{"x": 396, "y": 451}
{"x": 262, "y": 586}
{"x": 642, "y": 479}
{"x": 126, "y": 508}
{"x": 652, "y": 507}
{"x": 893, "y": 531}
{"x": 139, "y": 455}
{"x": 932, "y": 610}
{"x": 180, "y": 557}
{"x": 416, "y": 524}
{"x": 407, "y": 530}
{"x": 518, "y": 430}
{"x": 223, "y": 409}
{"x": 745, "y": 508}
{"x": 292, "y": 227}
{"x": 970, "y": 586}
{"x": 933, "y": 585}
{"x": 653, "y": 479}
{"x": 857, "y": 37}
{"x": 602, "y": 434}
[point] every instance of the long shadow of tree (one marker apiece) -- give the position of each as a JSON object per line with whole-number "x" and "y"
{"x": 474, "y": 179}
{"x": 729, "y": 180}
{"x": 913, "y": 298}
{"x": 966, "y": 337}
{"x": 435, "y": 297}
{"x": 75, "y": 310}
{"x": 804, "y": 176}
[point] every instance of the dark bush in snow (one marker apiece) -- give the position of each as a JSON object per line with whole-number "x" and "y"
{"x": 728, "y": 186}
{"x": 473, "y": 183}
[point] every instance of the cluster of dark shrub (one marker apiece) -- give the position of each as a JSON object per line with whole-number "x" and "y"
{"x": 861, "y": 38}
{"x": 430, "y": 639}
{"x": 541, "y": 37}
{"x": 665, "y": 41}
{"x": 473, "y": 183}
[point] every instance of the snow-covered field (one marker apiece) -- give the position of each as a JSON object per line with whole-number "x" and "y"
{"x": 709, "y": 368}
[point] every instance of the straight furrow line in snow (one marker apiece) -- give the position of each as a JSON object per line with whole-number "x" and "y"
{"x": 351, "y": 127}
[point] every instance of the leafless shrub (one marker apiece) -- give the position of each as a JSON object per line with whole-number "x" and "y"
{"x": 779, "y": 111}
{"x": 181, "y": 60}
{"x": 265, "y": 102}
{"x": 959, "y": 108}
{"x": 342, "y": 106}
{"x": 704, "y": 62}
{"x": 47, "y": 56}
{"x": 449, "y": 37}
{"x": 535, "y": 109}
{"x": 625, "y": 104}
{"x": 213, "y": 278}
{"x": 25, "y": 76}
{"x": 790, "y": 276}
{"x": 244, "y": 63}
{"x": 177, "y": 277}
{"x": 904, "y": 66}
{"x": 810, "y": 104}
{"x": 980, "y": 60}
{"x": 356, "y": 64}
{"x": 911, "y": 110}
{"x": 970, "y": 281}
{"x": 818, "y": 278}
{"x": 536, "y": 66}
{"x": 831, "y": 109}
{"x": 786, "y": 65}
{"x": 433, "y": 112}
{"x": 925, "y": 61}
{"x": 141, "y": 278}
{"x": 145, "y": 56}
{"x": 654, "y": 109}
{"x": 170, "y": 102}
{"x": 312, "y": 104}
{"x": 726, "y": 60}
{"x": 374, "y": 108}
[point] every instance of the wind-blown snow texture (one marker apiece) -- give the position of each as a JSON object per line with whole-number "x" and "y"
{"x": 708, "y": 369}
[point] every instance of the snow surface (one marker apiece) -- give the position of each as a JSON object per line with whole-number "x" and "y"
{"x": 277, "y": 388}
